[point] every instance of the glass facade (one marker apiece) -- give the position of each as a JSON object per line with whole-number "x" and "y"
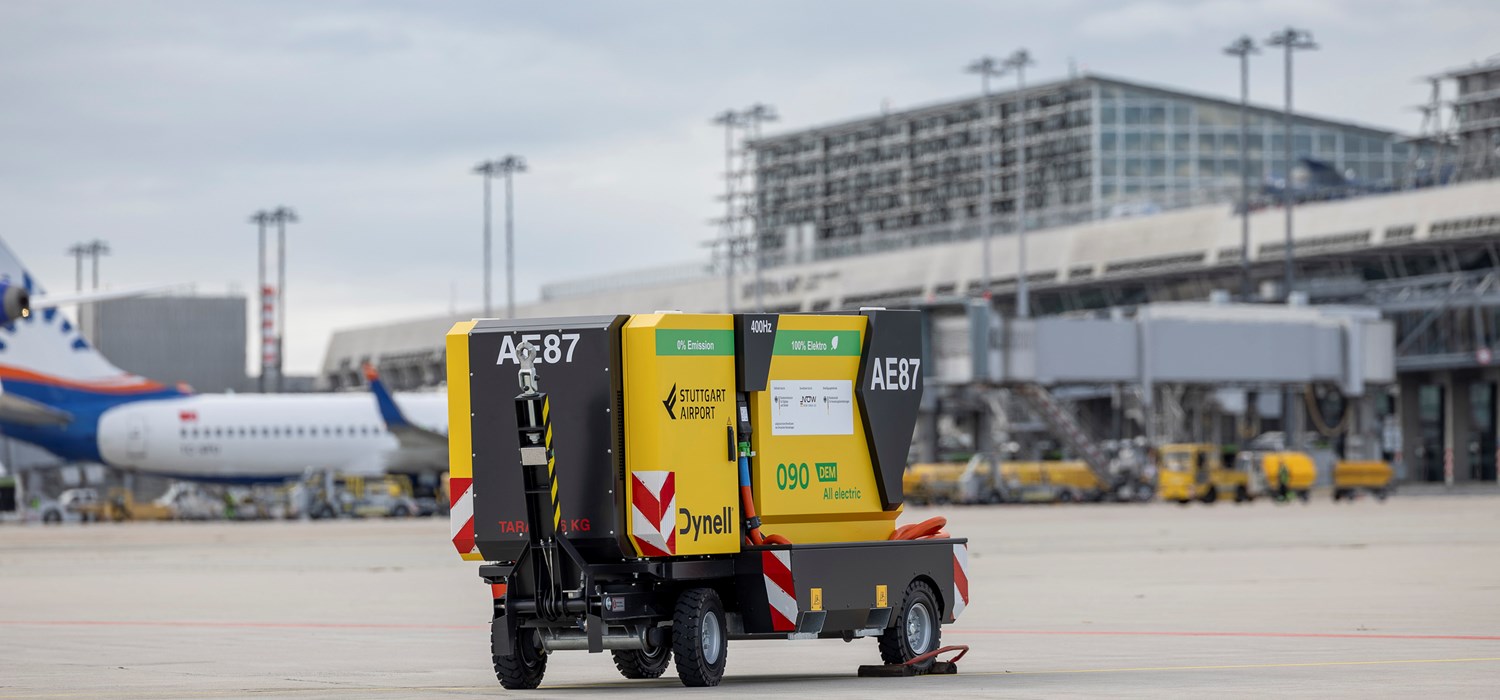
{"x": 1174, "y": 150}
{"x": 1092, "y": 146}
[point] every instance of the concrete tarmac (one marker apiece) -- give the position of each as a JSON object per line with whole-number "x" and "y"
{"x": 1319, "y": 600}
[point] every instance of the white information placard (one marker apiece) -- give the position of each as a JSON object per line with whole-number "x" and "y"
{"x": 812, "y": 407}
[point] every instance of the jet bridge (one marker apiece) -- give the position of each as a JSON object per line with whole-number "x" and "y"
{"x": 1215, "y": 348}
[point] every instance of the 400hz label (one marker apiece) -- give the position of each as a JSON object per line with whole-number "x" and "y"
{"x": 797, "y": 476}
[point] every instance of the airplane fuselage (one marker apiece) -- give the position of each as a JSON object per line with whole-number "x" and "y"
{"x": 252, "y": 437}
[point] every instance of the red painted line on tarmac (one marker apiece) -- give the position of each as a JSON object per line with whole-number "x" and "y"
{"x": 951, "y": 631}
{"x": 1280, "y": 635}
{"x": 240, "y": 624}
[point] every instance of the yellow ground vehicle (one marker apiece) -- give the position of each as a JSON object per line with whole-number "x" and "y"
{"x": 1025, "y": 482}
{"x": 933, "y": 482}
{"x": 1352, "y": 477}
{"x": 120, "y": 505}
{"x": 1069, "y": 480}
{"x": 657, "y": 485}
{"x": 1280, "y": 475}
{"x": 1196, "y": 472}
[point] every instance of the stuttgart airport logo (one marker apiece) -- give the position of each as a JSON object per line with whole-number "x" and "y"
{"x": 671, "y": 401}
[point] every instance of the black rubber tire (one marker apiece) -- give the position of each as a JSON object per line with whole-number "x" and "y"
{"x": 52, "y": 517}
{"x": 1380, "y": 495}
{"x": 1211, "y": 496}
{"x": 1241, "y": 494}
{"x": 646, "y": 663}
{"x": 324, "y": 512}
{"x": 524, "y": 666}
{"x": 400, "y": 512}
{"x": 895, "y": 648}
{"x": 690, "y": 623}
{"x": 1304, "y": 496}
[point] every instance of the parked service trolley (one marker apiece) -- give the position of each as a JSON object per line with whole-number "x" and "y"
{"x": 659, "y": 484}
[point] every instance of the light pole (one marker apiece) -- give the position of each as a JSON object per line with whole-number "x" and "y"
{"x": 487, "y": 170}
{"x": 282, "y": 215}
{"x": 729, "y": 119}
{"x": 260, "y": 219}
{"x": 1291, "y": 39}
{"x": 1243, "y": 47}
{"x": 78, "y": 251}
{"x": 756, "y": 115}
{"x": 985, "y": 67}
{"x": 1018, "y": 61}
{"x": 95, "y": 249}
{"x": 509, "y": 166}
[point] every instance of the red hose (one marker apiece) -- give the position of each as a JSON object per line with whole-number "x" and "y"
{"x": 931, "y": 528}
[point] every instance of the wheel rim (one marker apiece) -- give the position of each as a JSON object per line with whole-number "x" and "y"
{"x": 711, "y": 637}
{"x": 918, "y": 628}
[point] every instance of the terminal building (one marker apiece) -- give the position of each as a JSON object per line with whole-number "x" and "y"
{"x": 1095, "y": 147}
{"x": 1476, "y": 113}
{"x": 1425, "y": 258}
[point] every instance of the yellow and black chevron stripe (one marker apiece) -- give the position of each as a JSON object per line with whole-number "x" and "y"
{"x": 551, "y": 463}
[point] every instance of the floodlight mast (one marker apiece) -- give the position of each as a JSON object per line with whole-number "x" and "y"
{"x": 1017, "y": 62}
{"x": 730, "y": 120}
{"x": 1291, "y": 39}
{"x": 1242, "y": 48}
{"x": 986, "y": 67}
{"x": 282, "y": 216}
{"x": 509, "y": 166}
{"x": 754, "y": 117}
{"x": 261, "y": 218}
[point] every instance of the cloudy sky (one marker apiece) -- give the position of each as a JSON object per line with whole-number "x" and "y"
{"x": 160, "y": 126}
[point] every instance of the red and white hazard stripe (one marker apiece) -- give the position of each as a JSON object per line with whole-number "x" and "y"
{"x": 461, "y": 514}
{"x": 653, "y": 512}
{"x": 776, "y": 569}
{"x": 960, "y": 580}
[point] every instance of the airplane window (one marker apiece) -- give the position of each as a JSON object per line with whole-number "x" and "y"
{"x": 339, "y": 431}
{"x": 242, "y": 431}
{"x": 218, "y": 432}
{"x": 184, "y": 432}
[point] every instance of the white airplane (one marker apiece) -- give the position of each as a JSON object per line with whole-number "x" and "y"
{"x": 59, "y": 393}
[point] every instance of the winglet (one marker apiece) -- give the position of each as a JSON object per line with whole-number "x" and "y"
{"x": 389, "y": 411}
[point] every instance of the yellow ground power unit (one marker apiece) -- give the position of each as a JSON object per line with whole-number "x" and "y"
{"x": 659, "y": 484}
